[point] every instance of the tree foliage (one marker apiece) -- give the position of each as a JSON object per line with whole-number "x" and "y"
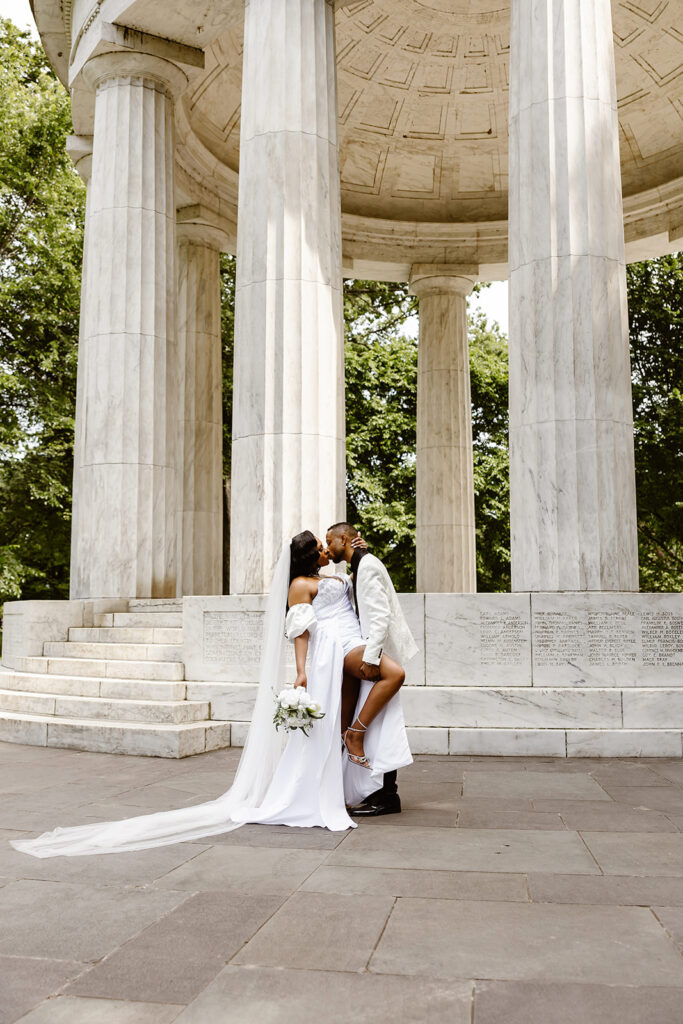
{"x": 41, "y": 238}
{"x": 655, "y": 295}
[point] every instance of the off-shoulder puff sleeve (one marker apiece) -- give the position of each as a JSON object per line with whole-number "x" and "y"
{"x": 300, "y": 618}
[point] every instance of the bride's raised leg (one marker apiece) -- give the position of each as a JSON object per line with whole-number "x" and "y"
{"x": 390, "y": 681}
{"x": 349, "y": 699}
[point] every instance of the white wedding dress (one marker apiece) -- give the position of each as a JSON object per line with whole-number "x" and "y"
{"x": 295, "y": 780}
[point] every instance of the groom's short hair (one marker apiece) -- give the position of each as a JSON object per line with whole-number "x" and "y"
{"x": 346, "y": 528}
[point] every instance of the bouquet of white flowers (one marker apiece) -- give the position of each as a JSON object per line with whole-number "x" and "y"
{"x": 294, "y": 709}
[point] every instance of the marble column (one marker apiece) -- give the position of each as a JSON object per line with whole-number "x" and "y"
{"x": 200, "y": 435}
{"x": 446, "y": 555}
{"x": 125, "y": 496}
{"x": 288, "y": 464}
{"x": 79, "y": 148}
{"x": 572, "y": 483}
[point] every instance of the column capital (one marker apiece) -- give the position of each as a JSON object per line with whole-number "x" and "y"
{"x": 437, "y": 278}
{"x": 198, "y": 225}
{"x": 126, "y": 64}
{"x": 79, "y": 148}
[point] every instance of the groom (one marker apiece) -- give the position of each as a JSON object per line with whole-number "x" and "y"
{"x": 381, "y": 622}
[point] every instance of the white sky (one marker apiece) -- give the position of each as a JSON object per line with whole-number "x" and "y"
{"x": 19, "y": 11}
{"x": 493, "y": 300}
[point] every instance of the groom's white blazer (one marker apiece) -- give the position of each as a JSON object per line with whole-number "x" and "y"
{"x": 382, "y": 621}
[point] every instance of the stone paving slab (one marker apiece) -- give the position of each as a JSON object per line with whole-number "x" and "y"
{"x": 672, "y": 919}
{"x": 513, "y": 1002}
{"x": 630, "y": 853}
{"x": 532, "y": 785}
{"x": 26, "y": 981}
{"x": 622, "y": 891}
{"x": 441, "y": 885}
{"x": 75, "y": 922}
{"x": 122, "y": 869}
{"x": 240, "y": 995}
{"x": 71, "y": 1010}
{"x": 172, "y": 960}
{"x": 597, "y": 816}
{"x": 463, "y": 939}
{"x": 510, "y": 891}
{"x": 466, "y": 850}
{"x": 294, "y": 937}
{"x": 248, "y": 870}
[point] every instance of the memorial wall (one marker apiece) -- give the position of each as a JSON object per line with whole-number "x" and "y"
{"x": 556, "y": 674}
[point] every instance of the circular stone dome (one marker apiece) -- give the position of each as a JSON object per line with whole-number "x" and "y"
{"x": 422, "y": 102}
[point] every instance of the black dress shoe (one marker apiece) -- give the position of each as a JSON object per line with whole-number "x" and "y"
{"x": 373, "y": 809}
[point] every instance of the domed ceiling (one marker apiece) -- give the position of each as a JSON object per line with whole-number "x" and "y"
{"x": 423, "y": 107}
{"x": 423, "y": 97}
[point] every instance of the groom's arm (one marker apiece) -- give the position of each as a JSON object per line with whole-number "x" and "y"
{"x": 377, "y": 604}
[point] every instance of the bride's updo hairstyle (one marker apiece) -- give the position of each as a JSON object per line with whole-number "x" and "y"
{"x": 304, "y": 555}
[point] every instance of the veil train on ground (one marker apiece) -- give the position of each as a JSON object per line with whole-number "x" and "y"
{"x": 255, "y": 771}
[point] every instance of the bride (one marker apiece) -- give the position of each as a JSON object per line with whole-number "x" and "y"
{"x": 298, "y": 780}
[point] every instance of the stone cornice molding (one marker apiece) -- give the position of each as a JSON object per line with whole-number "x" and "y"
{"x": 439, "y": 278}
{"x": 197, "y": 225}
{"x": 163, "y": 73}
{"x": 79, "y": 148}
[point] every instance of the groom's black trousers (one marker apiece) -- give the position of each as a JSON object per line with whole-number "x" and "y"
{"x": 389, "y": 789}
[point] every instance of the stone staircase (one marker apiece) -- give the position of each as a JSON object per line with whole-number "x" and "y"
{"x": 117, "y": 687}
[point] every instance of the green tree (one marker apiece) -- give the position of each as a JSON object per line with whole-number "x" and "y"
{"x": 655, "y": 297}
{"x": 381, "y": 405}
{"x": 41, "y": 237}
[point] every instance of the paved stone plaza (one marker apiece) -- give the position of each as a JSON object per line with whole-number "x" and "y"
{"x": 510, "y": 891}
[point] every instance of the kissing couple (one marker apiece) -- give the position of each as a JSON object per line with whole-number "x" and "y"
{"x": 350, "y": 759}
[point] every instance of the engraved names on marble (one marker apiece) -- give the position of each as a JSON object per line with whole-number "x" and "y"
{"x": 477, "y": 639}
{"x": 601, "y": 639}
{"x": 231, "y": 635}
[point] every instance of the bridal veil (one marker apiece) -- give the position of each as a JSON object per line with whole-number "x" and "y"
{"x": 255, "y": 771}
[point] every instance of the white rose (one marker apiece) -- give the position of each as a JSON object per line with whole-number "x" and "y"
{"x": 313, "y": 706}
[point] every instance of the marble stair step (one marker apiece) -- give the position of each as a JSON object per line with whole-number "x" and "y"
{"x": 123, "y": 635}
{"x": 158, "y": 604}
{"x": 122, "y": 710}
{"x": 95, "y": 686}
{"x": 168, "y": 671}
{"x": 113, "y": 651}
{"x": 159, "y": 739}
{"x": 143, "y": 619}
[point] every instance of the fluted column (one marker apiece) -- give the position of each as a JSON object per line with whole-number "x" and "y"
{"x": 288, "y": 406}
{"x": 79, "y": 148}
{"x": 573, "y": 507}
{"x": 200, "y": 458}
{"x": 125, "y": 496}
{"x": 446, "y": 556}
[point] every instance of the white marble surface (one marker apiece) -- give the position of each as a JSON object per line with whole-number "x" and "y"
{"x": 572, "y": 482}
{"x": 222, "y": 639}
{"x": 508, "y": 742}
{"x": 482, "y": 639}
{"x": 200, "y": 433}
{"x": 413, "y": 607}
{"x": 607, "y": 639}
{"x": 624, "y": 743}
{"x": 659, "y": 708}
{"x": 511, "y": 707}
{"x": 445, "y": 533}
{"x": 288, "y": 464}
{"x": 27, "y": 625}
{"x": 125, "y": 504}
{"x": 428, "y": 741}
